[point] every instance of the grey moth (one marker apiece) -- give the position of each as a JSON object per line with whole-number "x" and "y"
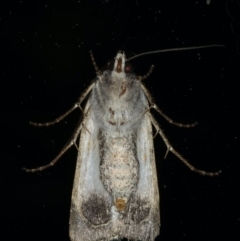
{"x": 115, "y": 193}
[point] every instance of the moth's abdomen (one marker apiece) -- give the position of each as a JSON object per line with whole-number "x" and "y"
{"x": 119, "y": 167}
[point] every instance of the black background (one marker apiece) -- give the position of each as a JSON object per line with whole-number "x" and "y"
{"x": 45, "y": 66}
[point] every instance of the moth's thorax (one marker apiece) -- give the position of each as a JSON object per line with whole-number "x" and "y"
{"x": 117, "y": 99}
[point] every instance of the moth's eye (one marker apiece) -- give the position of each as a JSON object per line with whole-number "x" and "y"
{"x": 128, "y": 68}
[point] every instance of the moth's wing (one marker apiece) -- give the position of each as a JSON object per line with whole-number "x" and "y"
{"x": 91, "y": 203}
{"x": 148, "y": 184}
{"x": 93, "y": 214}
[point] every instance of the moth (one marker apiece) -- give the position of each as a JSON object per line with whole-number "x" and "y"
{"x": 115, "y": 193}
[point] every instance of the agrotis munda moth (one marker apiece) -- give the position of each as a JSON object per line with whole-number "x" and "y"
{"x": 115, "y": 192}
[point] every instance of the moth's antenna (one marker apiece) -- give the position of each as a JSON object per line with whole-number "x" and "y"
{"x": 176, "y": 49}
{"x": 98, "y": 72}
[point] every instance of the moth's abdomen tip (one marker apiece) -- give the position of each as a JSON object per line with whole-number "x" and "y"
{"x": 120, "y": 204}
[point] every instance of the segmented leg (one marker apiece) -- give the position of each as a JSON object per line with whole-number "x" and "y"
{"x": 140, "y": 78}
{"x": 154, "y": 106}
{"x": 70, "y": 143}
{"x": 171, "y": 149}
{"x": 60, "y": 118}
{"x": 98, "y": 72}
{"x": 86, "y": 92}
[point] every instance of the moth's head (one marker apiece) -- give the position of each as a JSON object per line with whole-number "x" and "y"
{"x": 120, "y": 66}
{"x": 119, "y": 63}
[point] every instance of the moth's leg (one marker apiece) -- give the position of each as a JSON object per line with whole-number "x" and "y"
{"x": 58, "y": 119}
{"x": 140, "y": 78}
{"x": 69, "y": 144}
{"x": 83, "y": 126}
{"x": 98, "y": 72}
{"x": 85, "y": 93}
{"x": 78, "y": 104}
{"x": 171, "y": 149}
{"x": 154, "y": 106}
